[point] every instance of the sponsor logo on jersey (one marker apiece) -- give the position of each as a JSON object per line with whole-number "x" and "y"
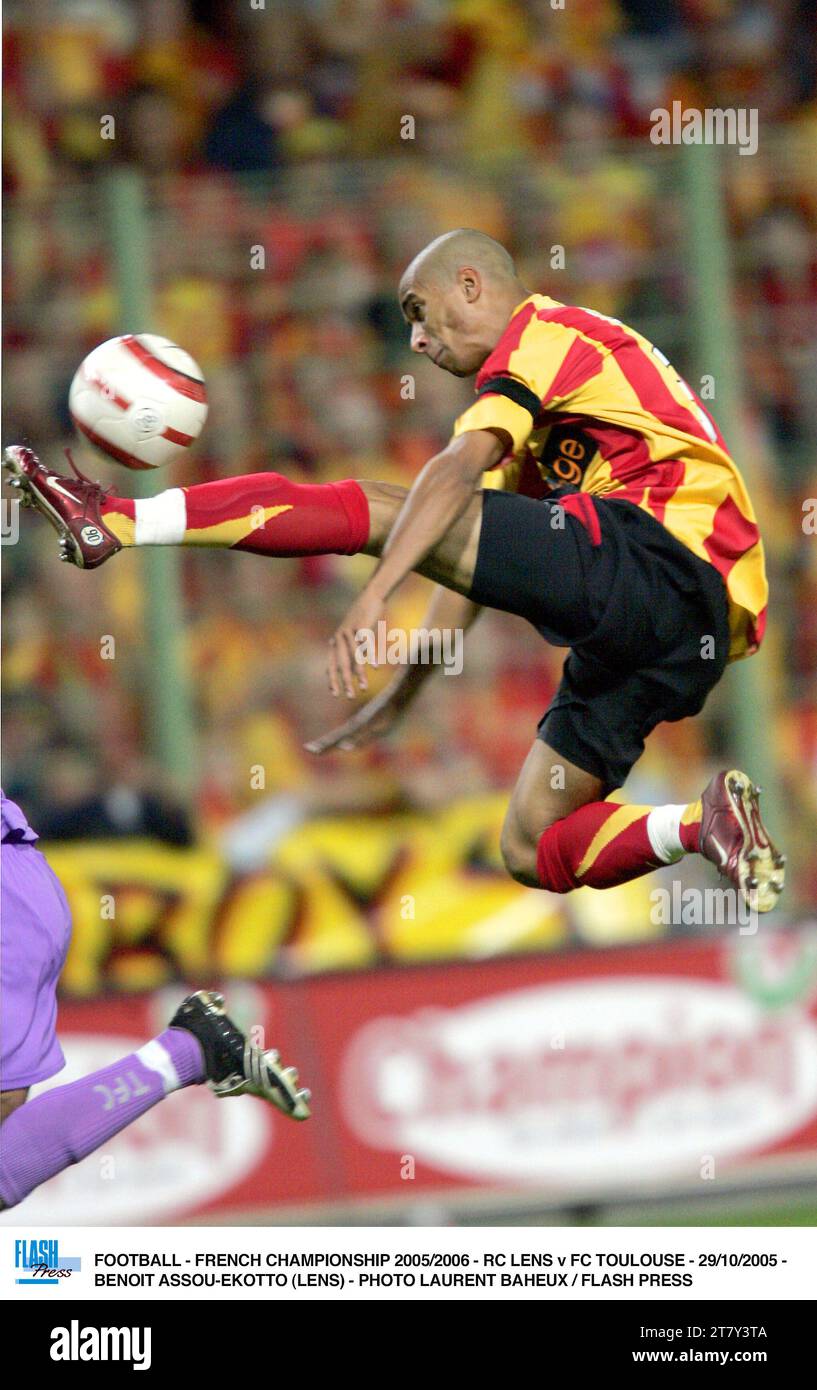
{"x": 566, "y": 453}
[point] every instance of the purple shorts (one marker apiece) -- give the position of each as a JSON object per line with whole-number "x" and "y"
{"x": 35, "y": 928}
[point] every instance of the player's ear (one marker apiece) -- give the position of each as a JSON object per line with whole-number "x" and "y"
{"x": 470, "y": 282}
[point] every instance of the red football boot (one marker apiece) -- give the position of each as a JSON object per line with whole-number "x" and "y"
{"x": 72, "y": 505}
{"x": 736, "y": 841}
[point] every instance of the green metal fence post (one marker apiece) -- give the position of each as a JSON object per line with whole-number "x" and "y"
{"x": 715, "y": 339}
{"x": 171, "y": 724}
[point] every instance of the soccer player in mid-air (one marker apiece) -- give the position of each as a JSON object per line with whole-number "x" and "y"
{"x": 41, "y": 1137}
{"x": 587, "y": 490}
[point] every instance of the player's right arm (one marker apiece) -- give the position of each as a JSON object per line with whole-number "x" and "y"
{"x": 379, "y": 715}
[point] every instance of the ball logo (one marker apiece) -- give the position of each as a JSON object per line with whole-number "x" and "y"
{"x": 92, "y": 535}
{"x": 146, "y": 421}
{"x": 583, "y": 1084}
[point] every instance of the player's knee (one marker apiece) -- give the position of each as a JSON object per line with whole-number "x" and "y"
{"x": 11, "y": 1101}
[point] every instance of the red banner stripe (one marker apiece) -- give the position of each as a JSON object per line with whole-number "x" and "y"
{"x": 185, "y": 385}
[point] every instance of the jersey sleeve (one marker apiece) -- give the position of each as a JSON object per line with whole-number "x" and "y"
{"x": 504, "y": 476}
{"x": 517, "y": 473}
{"x": 516, "y": 382}
{"x": 497, "y": 410}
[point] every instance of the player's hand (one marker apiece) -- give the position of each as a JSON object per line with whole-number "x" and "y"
{"x": 371, "y": 721}
{"x": 343, "y": 668}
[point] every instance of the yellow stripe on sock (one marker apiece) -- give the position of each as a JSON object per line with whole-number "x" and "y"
{"x": 235, "y": 530}
{"x": 123, "y": 527}
{"x": 692, "y": 814}
{"x": 620, "y": 820}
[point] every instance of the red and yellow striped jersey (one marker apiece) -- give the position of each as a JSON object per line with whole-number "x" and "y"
{"x": 591, "y": 403}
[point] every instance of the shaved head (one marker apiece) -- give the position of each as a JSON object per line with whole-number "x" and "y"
{"x": 439, "y": 262}
{"x": 458, "y": 294}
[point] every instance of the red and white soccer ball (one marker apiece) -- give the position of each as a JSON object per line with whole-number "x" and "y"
{"x": 140, "y": 399}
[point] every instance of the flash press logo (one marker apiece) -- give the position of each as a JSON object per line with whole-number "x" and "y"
{"x": 40, "y": 1262}
{"x": 75, "y": 1343}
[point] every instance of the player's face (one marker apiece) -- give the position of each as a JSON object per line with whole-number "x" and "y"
{"x": 444, "y": 327}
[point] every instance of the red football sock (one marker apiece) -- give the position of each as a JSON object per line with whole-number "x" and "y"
{"x": 261, "y": 512}
{"x": 690, "y": 828}
{"x": 600, "y": 845}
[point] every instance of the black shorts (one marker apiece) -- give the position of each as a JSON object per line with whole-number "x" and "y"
{"x": 646, "y": 620}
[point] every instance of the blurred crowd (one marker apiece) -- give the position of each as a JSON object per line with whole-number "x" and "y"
{"x": 298, "y": 155}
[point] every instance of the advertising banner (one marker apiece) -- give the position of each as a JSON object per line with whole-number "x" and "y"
{"x": 570, "y": 1076}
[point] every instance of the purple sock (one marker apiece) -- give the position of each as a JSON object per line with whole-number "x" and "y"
{"x": 67, "y": 1123}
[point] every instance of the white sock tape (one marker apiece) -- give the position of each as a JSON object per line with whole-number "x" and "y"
{"x": 161, "y": 520}
{"x": 664, "y": 832}
{"x": 157, "y": 1058}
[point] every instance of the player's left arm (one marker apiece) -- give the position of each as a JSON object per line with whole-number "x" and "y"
{"x": 515, "y": 389}
{"x": 437, "y": 499}
{"x": 439, "y": 496}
